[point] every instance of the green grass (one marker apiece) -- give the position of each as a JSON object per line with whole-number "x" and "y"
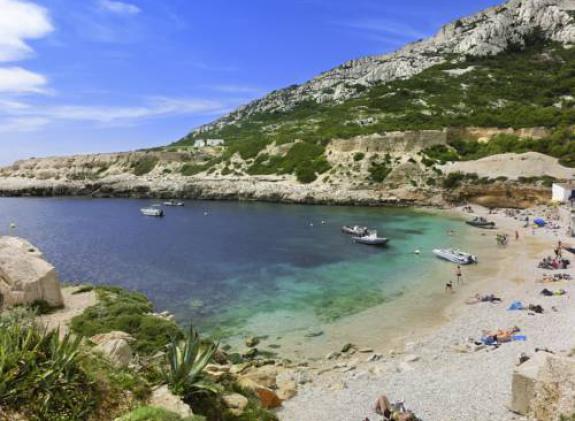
{"x": 126, "y": 311}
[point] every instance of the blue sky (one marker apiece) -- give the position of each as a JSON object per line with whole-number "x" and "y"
{"x": 79, "y": 76}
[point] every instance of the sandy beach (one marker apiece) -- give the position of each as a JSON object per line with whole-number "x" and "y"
{"x": 433, "y": 366}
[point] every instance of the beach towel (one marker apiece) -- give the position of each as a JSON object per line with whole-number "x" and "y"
{"x": 516, "y": 305}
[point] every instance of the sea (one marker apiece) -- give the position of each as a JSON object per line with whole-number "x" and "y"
{"x": 243, "y": 268}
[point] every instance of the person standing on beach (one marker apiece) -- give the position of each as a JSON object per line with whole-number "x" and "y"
{"x": 516, "y": 235}
{"x": 459, "y": 274}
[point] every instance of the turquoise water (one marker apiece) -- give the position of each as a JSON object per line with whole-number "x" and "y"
{"x": 241, "y": 259}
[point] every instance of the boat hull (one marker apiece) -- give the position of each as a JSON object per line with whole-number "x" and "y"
{"x": 482, "y": 225}
{"x": 158, "y": 213}
{"x": 455, "y": 257}
{"x": 378, "y": 242}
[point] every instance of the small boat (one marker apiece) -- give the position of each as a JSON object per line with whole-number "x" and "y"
{"x": 481, "y": 222}
{"x": 371, "y": 239}
{"x": 173, "y": 203}
{"x": 455, "y": 256}
{"x": 356, "y": 230}
{"x": 151, "y": 211}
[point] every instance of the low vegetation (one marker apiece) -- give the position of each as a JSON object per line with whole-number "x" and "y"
{"x": 144, "y": 165}
{"x": 492, "y": 93}
{"x": 129, "y": 312}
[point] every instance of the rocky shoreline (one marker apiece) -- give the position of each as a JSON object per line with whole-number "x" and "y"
{"x": 275, "y": 190}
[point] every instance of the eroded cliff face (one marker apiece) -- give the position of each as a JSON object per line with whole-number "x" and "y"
{"x": 409, "y": 181}
{"x": 489, "y": 32}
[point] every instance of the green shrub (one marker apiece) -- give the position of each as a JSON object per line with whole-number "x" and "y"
{"x": 118, "y": 309}
{"x": 151, "y": 413}
{"x": 144, "y": 165}
{"x": 83, "y": 289}
{"x": 358, "y": 156}
{"x": 453, "y": 180}
{"x": 378, "y": 171}
{"x": 441, "y": 153}
{"x": 41, "y": 307}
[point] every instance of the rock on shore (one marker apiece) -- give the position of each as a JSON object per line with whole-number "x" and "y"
{"x": 25, "y": 276}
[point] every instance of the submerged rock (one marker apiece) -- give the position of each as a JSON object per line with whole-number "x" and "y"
{"x": 313, "y": 333}
{"x": 252, "y": 342}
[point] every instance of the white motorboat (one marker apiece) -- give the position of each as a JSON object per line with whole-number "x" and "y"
{"x": 151, "y": 211}
{"x": 455, "y": 256}
{"x": 371, "y": 239}
{"x": 356, "y": 230}
{"x": 173, "y": 203}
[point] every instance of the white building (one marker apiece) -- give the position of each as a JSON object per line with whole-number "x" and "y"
{"x": 202, "y": 143}
{"x": 215, "y": 142}
{"x": 563, "y": 192}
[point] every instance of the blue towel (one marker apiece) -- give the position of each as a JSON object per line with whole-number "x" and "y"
{"x": 516, "y": 305}
{"x": 521, "y": 338}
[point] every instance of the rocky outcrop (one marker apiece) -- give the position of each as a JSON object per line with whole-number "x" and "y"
{"x": 500, "y": 195}
{"x": 163, "y": 398}
{"x": 543, "y": 388}
{"x": 115, "y": 346}
{"x": 25, "y": 277}
{"x": 486, "y": 33}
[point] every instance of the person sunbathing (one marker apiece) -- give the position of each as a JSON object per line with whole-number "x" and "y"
{"x": 477, "y": 298}
{"x": 393, "y": 412}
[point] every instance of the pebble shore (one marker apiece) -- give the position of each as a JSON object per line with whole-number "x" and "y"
{"x": 442, "y": 376}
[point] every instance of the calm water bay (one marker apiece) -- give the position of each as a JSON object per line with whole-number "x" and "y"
{"x": 220, "y": 263}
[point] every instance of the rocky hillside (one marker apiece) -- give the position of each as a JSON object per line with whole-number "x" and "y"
{"x": 375, "y": 130}
{"x": 488, "y": 33}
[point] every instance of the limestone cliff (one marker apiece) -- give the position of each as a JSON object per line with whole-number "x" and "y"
{"x": 489, "y": 32}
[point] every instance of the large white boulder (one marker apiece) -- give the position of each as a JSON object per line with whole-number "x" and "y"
{"x": 25, "y": 276}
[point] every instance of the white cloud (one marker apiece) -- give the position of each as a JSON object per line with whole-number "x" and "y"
{"x": 119, "y": 7}
{"x": 109, "y": 115}
{"x": 385, "y": 30}
{"x": 20, "y": 21}
{"x": 22, "y": 124}
{"x": 21, "y": 81}
{"x": 236, "y": 89}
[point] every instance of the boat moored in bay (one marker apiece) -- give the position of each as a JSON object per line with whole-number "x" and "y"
{"x": 455, "y": 256}
{"x": 371, "y": 239}
{"x": 481, "y": 222}
{"x": 173, "y": 203}
{"x": 152, "y": 211}
{"x": 355, "y": 230}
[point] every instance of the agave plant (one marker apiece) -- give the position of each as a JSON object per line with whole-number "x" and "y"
{"x": 40, "y": 374}
{"x": 187, "y": 359}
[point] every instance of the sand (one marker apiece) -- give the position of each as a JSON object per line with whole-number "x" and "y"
{"x": 513, "y": 166}
{"x": 74, "y": 305}
{"x": 430, "y": 371}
